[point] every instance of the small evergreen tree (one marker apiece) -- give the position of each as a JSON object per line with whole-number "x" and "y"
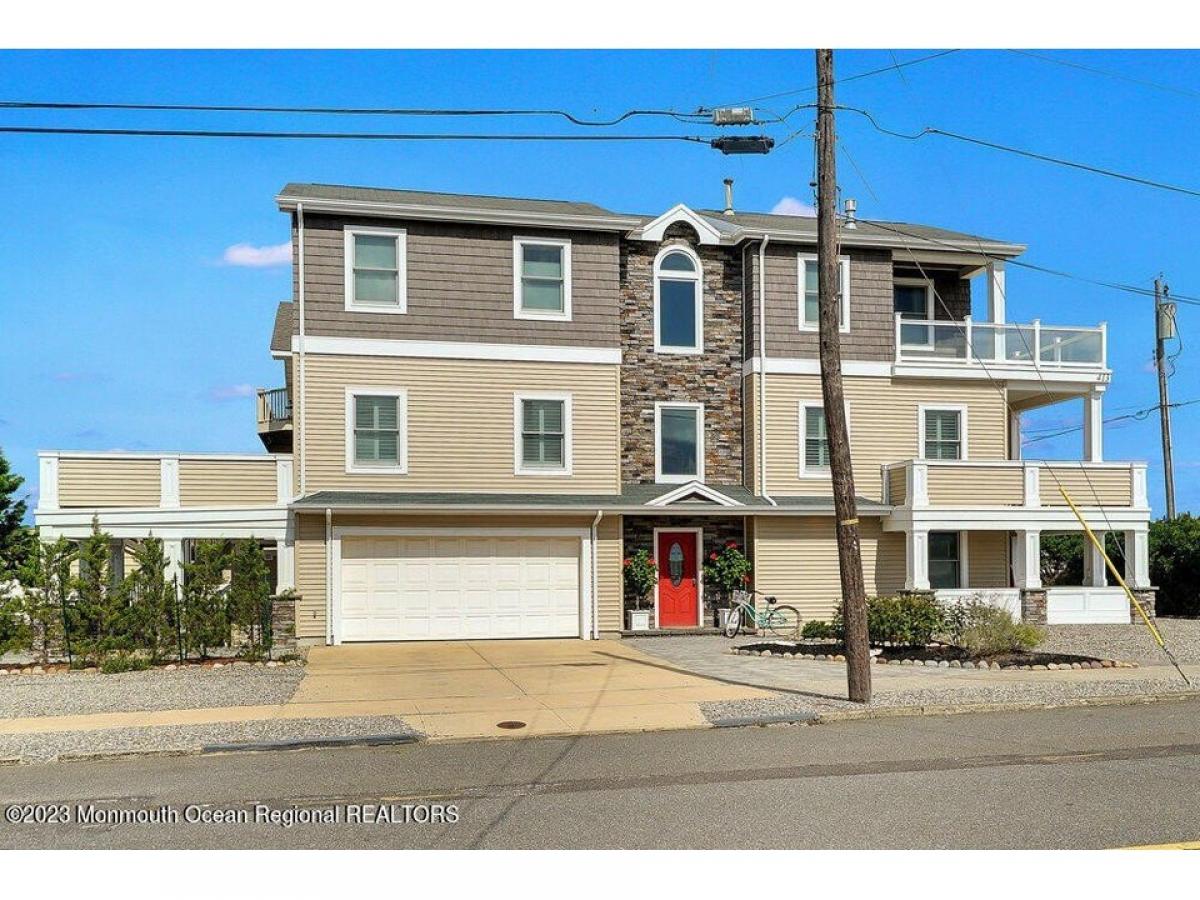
{"x": 96, "y": 611}
{"x": 16, "y": 539}
{"x": 15, "y": 632}
{"x": 45, "y": 578}
{"x": 205, "y": 622}
{"x": 249, "y": 596}
{"x": 149, "y": 601}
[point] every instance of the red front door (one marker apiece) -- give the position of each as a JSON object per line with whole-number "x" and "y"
{"x": 678, "y": 581}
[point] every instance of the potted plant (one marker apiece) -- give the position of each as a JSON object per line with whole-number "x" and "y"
{"x": 641, "y": 574}
{"x": 726, "y": 571}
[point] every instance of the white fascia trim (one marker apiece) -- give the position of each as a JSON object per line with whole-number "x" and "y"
{"x": 401, "y": 237}
{"x": 189, "y": 522}
{"x": 787, "y": 366}
{"x": 687, "y": 490}
{"x": 460, "y": 214}
{"x": 802, "y": 260}
{"x": 339, "y": 346}
{"x": 1012, "y": 518}
{"x": 698, "y": 475}
{"x": 519, "y": 312}
{"x": 1087, "y": 378}
{"x": 567, "y": 400}
{"x": 401, "y": 395}
{"x": 698, "y": 306}
{"x": 654, "y": 230}
{"x": 961, "y": 409}
{"x": 162, "y": 454}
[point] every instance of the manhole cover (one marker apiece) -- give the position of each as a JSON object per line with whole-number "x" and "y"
{"x": 510, "y": 724}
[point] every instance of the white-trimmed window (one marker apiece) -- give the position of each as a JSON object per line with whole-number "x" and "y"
{"x": 814, "y": 438}
{"x": 912, "y": 298}
{"x": 943, "y": 432}
{"x": 678, "y": 301}
{"x": 947, "y": 559}
{"x": 375, "y": 269}
{"x": 678, "y": 442}
{"x": 376, "y": 430}
{"x": 541, "y": 278}
{"x": 809, "y": 302}
{"x": 542, "y": 434}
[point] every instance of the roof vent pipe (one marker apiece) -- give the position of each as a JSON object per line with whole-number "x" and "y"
{"x": 729, "y": 196}
{"x": 851, "y": 207}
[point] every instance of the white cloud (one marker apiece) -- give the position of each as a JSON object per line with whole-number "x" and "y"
{"x": 249, "y": 256}
{"x": 225, "y": 392}
{"x": 790, "y": 206}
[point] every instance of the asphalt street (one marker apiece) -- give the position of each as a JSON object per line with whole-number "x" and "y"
{"x": 1090, "y": 777}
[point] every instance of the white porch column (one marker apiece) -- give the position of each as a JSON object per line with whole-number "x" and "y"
{"x": 917, "y": 485}
{"x": 285, "y": 559}
{"x": 1137, "y": 558}
{"x": 916, "y": 560}
{"x": 47, "y": 481}
{"x": 1094, "y": 570}
{"x": 168, "y": 469}
{"x": 1027, "y": 559}
{"x": 1093, "y": 427}
{"x": 173, "y": 551}
{"x": 1014, "y": 434}
{"x": 995, "y": 276}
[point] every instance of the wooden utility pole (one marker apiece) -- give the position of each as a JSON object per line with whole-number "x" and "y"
{"x": 1164, "y": 330}
{"x": 854, "y": 597}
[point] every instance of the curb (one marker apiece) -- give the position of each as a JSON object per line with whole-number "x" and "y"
{"x": 811, "y": 718}
{"x": 366, "y": 740}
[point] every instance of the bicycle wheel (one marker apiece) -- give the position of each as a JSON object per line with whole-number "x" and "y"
{"x": 784, "y": 621}
{"x": 734, "y": 623}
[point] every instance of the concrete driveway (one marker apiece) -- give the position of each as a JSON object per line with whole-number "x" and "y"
{"x": 465, "y": 689}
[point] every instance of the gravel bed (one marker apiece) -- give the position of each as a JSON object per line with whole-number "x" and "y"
{"x": 191, "y": 738}
{"x": 1025, "y": 692}
{"x": 190, "y": 687}
{"x": 1129, "y": 642}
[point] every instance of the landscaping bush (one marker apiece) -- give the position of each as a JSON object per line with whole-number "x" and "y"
{"x": 727, "y": 571}
{"x": 249, "y": 606}
{"x": 815, "y": 629}
{"x": 907, "y": 620}
{"x": 14, "y": 624}
{"x": 151, "y": 617}
{"x": 115, "y": 663}
{"x": 983, "y": 629}
{"x": 46, "y": 582}
{"x": 205, "y": 623}
{"x": 640, "y": 574}
{"x": 1175, "y": 565}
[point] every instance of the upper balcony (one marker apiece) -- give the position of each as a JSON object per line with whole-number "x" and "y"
{"x": 274, "y": 407}
{"x": 1004, "y": 350}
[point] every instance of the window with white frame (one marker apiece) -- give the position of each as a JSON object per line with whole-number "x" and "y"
{"x": 679, "y": 442}
{"x": 945, "y": 559}
{"x": 678, "y": 301}
{"x": 814, "y": 440}
{"x": 376, "y": 421}
{"x": 809, "y": 297}
{"x": 541, "y": 278}
{"x": 375, "y": 269}
{"x": 942, "y": 433}
{"x": 542, "y": 434}
{"x": 912, "y": 298}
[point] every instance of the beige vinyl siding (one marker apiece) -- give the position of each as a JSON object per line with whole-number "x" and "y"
{"x": 976, "y": 485}
{"x": 610, "y": 583}
{"x": 883, "y": 426}
{"x": 310, "y": 554}
{"x": 460, "y": 423}
{"x": 795, "y": 560}
{"x": 460, "y": 285}
{"x": 897, "y": 485}
{"x": 1097, "y": 486}
{"x": 108, "y": 481}
{"x": 987, "y": 559}
{"x": 204, "y": 482}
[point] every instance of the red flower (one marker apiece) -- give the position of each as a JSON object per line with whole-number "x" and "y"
{"x": 652, "y": 562}
{"x": 627, "y": 562}
{"x": 713, "y": 556}
{"x": 745, "y": 579}
{"x": 731, "y": 545}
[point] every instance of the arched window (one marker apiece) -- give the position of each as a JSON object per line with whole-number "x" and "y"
{"x": 678, "y": 301}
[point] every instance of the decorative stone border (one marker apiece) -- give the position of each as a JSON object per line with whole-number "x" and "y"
{"x": 942, "y": 663}
{"x": 56, "y": 669}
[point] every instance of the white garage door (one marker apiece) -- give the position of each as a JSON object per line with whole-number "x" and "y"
{"x": 448, "y": 586}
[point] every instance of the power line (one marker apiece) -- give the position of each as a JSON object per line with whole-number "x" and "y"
{"x": 1045, "y": 434}
{"x": 1028, "y": 154}
{"x": 343, "y": 136}
{"x": 868, "y": 74}
{"x": 690, "y": 118}
{"x": 1108, "y": 73}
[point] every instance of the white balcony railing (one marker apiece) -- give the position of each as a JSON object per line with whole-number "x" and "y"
{"x": 1034, "y": 345}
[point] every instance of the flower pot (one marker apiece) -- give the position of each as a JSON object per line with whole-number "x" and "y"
{"x": 639, "y": 619}
{"x": 723, "y": 617}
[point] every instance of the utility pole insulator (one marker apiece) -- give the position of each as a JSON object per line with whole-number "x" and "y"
{"x": 748, "y": 144}
{"x": 733, "y": 115}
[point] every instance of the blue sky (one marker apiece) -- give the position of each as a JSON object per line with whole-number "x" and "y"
{"x": 125, "y": 326}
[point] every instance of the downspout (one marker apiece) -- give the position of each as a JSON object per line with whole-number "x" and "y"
{"x": 596, "y": 576}
{"x": 762, "y": 369}
{"x": 328, "y": 576}
{"x": 300, "y": 407}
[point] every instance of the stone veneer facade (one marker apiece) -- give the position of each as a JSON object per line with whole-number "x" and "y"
{"x": 713, "y": 377}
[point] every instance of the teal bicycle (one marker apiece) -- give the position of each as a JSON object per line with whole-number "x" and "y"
{"x": 772, "y": 618}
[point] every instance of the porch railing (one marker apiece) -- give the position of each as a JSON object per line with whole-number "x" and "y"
{"x": 968, "y": 342}
{"x": 274, "y": 407}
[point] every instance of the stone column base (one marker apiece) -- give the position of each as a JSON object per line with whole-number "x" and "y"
{"x": 283, "y": 623}
{"x": 1145, "y": 597}
{"x": 1033, "y": 605}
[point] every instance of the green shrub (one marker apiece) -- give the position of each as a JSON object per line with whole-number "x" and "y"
{"x": 121, "y": 661}
{"x": 1175, "y": 565}
{"x": 249, "y": 598}
{"x": 815, "y": 629}
{"x": 907, "y": 620}
{"x": 205, "y": 620}
{"x": 640, "y": 574}
{"x": 15, "y": 633}
{"x": 982, "y": 629}
{"x": 727, "y": 571}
